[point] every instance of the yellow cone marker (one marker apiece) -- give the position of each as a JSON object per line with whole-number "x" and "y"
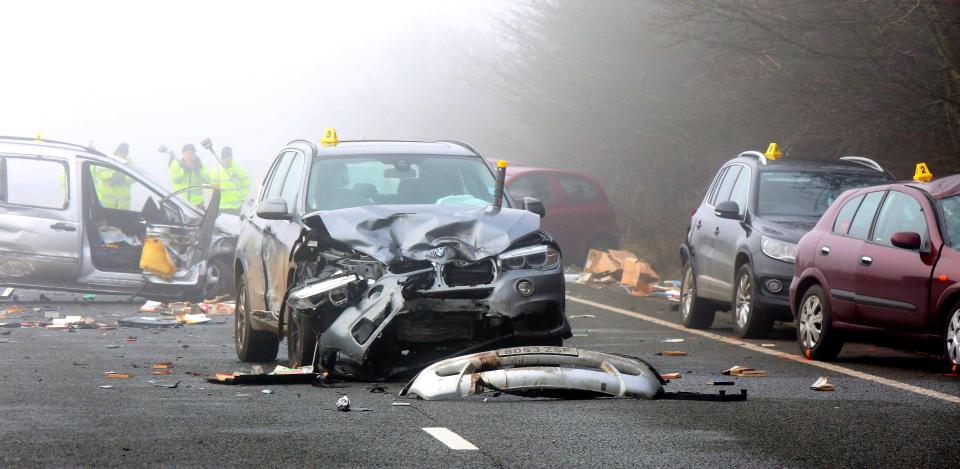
{"x": 922, "y": 174}
{"x": 773, "y": 151}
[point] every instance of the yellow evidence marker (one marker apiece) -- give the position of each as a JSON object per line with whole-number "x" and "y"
{"x": 773, "y": 151}
{"x": 329, "y": 137}
{"x": 922, "y": 174}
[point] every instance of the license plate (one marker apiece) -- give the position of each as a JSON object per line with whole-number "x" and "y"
{"x": 532, "y": 350}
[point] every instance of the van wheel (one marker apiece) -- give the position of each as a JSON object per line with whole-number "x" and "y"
{"x": 815, "y": 332}
{"x": 252, "y": 345}
{"x": 951, "y": 338}
{"x": 301, "y": 338}
{"x": 749, "y": 322}
{"x": 695, "y": 312}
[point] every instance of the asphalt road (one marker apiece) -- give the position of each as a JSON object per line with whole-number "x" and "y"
{"x": 53, "y": 411}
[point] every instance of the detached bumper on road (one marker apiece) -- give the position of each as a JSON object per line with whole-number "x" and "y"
{"x": 538, "y": 372}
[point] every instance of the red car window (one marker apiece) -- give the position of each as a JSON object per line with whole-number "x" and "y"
{"x": 900, "y": 213}
{"x": 860, "y": 226}
{"x": 577, "y": 189}
{"x": 845, "y": 216}
{"x": 533, "y": 185}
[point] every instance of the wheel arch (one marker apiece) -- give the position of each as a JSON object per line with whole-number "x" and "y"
{"x": 948, "y": 299}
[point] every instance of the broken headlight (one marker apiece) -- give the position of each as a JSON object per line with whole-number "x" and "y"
{"x": 333, "y": 290}
{"x": 542, "y": 257}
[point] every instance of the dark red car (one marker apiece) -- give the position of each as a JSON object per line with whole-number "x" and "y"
{"x": 579, "y": 215}
{"x": 882, "y": 262}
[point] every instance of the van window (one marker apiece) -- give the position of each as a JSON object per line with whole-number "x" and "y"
{"x": 35, "y": 183}
{"x": 577, "y": 189}
{"x": 536, "y": 185}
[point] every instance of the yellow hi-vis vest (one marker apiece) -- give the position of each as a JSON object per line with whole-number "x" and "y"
{"x": 233, "y": 183}
{"x": 180, "y": 178}
{"x": 113, "y": 187}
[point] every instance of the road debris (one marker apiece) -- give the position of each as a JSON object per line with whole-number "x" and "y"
{"x": 671, "y": 376}
{"x": 768, "y": 345}
{"x": 720, "y": 383}
{"x": 117, "y": 375}
{"x": 721, "y": 396}
{"x": 149, "y": 322}
{"x": 821, "y": 384}
{"x": 672, "y": 341}
{"x": 582, "y": 316}
{"x": 343, "y": 404}
{"x": 672, "y": 353}
{"x": 743, "y": 371}
{"x": 279, "y": 375}
{"x": 106, "y": 386}
{"x": 537, "y": 371}
{"x": 400, "y": 404}
{"x": 378, "y": 389}
{"x": 162, "y": 365}
{"x": 267, "y": 391}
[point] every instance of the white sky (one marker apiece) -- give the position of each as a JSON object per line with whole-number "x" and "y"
{"x": 252, "y": 75}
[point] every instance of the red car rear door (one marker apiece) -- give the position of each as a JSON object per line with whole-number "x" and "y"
{"x": 837, "y": 252}
{"x": 893, "y": 284}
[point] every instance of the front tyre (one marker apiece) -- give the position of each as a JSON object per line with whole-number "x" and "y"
{"x": 301, "y": 338}
{"x": 749, "y": 321}
{"x": 695, "y": 312}
{"x": 815, "y": 333}
{"x": 253, "y": 346}
{"x": 951, "y": 338}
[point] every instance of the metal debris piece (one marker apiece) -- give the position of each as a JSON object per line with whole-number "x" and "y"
{"x": 743, "y": 371}
{"x": 721, "y": 383}
{"x": 146, "y": 322}
{"x": 267, "y": 391}
{"x": 106, "y": 386}
{"x": 582, "y": 316}
{"x": 534, "y": 371}
{"x": 343, "y": 404}
{"x": 400, "y": 404}
{"x": 821, "y": 384}
{"x": 671, "y": 341}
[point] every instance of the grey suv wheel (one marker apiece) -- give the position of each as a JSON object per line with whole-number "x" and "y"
{"x": 252, "y": 345}
{"x": 695, "y": 312}
{"x": 749, "y": 321}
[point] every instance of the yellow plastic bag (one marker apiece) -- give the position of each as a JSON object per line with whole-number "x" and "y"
{"x": 155, "y": 259}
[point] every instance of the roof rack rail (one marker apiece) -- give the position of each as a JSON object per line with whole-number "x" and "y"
{"x": 864, "y": 161}
{"x": 54, "y": 142}
{"x": 462, "y": 144}
{"x": 756, "y": 154}
{"x": 310, "y": 144}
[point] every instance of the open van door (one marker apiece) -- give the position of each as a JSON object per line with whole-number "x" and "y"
{"x": 174, "y": 259}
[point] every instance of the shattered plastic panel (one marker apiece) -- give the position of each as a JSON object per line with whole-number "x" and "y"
{"x": 560, "y": 372}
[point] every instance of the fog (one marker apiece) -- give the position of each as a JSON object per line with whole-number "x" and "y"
{"x": 651, "y": 97}
{"x": 250, "y": 75}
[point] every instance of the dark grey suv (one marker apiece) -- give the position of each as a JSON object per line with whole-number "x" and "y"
{"x": 742, "y": 240}
{"x": 374, "y": 258}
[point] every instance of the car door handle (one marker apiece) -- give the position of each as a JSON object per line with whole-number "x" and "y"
{"x": 698, "y": 224}
{"x": 716, "y": 231}
{"x": 63, "y": 227}
{"x": 824, "y": 250}
{"x": 267, "y": 230}
{"x": 866, "y": 260}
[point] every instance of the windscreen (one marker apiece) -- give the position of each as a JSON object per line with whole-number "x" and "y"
{"x": 807, "y": 194}
{"x": 354, "y": 181}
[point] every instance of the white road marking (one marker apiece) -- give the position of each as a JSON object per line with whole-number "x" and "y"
{"x": 756, "y": 348}
{"x": 449, "y": 438}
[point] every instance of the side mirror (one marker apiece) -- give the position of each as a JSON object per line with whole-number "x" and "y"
{"x": 729, "y": 210}
{"x": 907, "y": 240}
{"x": 273, "y": 209}
{"x": 533, "y": 204}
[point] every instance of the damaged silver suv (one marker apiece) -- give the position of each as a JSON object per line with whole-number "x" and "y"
{"x": 377, "y": 258}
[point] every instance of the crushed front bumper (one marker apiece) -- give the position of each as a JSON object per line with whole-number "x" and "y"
{"x": 561, "y": 372}
{"x": 395, "y": 325}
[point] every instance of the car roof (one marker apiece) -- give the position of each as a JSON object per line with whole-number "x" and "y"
{"x": 520, "y": 169}
{"x": 29, "y": 146}
{"x": 940, "y": 188}
{"x": 807, "y": 165}
{"x": 394, "y": 147}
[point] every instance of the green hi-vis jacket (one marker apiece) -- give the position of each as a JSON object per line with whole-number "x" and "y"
{"x": 181, "y": 178}
{"x": 113, "y": 188}
{"x": 233, "y": 183}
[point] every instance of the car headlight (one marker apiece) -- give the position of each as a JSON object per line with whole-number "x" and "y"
{"x": 542, "y": 257}
{"x": 779, "y": 250}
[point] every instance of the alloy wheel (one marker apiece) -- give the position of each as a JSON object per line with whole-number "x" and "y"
{"x": 240, "y": 316}
{"x": 686, "y": 293}
{"x": 811, "y": 322}
{"x": 213, "y": 280}
{"x": 953, "y": 338}
{"x": 744, "y": 300}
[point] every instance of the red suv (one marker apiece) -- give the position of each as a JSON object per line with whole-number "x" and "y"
{"x": 579, "y": 215}
{"x": 882, "y": 261}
